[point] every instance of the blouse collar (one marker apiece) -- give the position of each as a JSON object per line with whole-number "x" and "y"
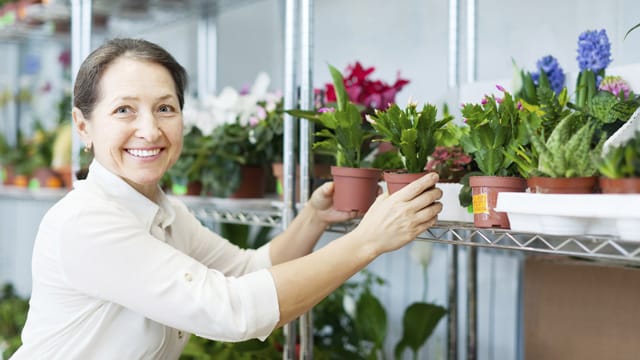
{"x": 149, "y": 212}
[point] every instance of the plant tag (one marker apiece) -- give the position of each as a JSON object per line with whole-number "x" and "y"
{"x": 480, "y": 204}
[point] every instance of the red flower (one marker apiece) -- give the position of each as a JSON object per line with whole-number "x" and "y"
{"x": 371, "y": 94}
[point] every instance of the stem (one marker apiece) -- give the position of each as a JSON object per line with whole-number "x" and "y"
{"x": 425, "y": 288}
{"x": 415, "y": 355}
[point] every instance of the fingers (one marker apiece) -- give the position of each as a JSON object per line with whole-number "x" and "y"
{"x": 425, "y": 199}
{"x": 417, "y": 187}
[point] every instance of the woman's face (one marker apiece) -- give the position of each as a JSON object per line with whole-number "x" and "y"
{"x": 136, "y": 125}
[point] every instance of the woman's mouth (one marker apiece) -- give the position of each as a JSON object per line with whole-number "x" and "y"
{"x": 143, "y": 153}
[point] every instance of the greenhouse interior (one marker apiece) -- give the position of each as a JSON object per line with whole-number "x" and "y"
{"x": 527, "y": 112}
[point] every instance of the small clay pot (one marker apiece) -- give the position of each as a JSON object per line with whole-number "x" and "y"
{"x": 485, "y": 190}
{"x": 620, "y": 186}
{"x": 252, "y": 183}
{"x": 397, "y": 180}
{"x": 355, "y": 189}
{"x": 575, "y": 185}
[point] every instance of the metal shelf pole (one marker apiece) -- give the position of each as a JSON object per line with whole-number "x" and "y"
{"x": 290, "y": 102}
{"x": 306, "y": 103}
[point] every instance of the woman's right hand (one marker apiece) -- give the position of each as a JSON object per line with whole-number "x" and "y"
{"x": 394, "y": 220}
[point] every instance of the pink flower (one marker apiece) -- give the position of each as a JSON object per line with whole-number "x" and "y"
{"x": 615, "y": 85}
{"x": 484, "y": 101}
{"x": 519, "y": 105}
{"x": 500, "y": 88}
{"x": 326, "y": 109}
{"x": 253, "y": 121}
{"x": 499, "y": 100}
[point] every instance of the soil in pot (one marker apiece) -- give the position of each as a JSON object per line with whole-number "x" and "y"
{"x": 355, "y": 189}
{"x": 484, "y": 190}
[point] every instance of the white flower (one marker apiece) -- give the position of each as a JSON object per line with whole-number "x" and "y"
{"x": 349, "y": 305}
{"x": 421, "y": 252}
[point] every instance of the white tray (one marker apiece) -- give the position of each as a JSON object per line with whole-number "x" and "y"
{"x": 573, "y": 214}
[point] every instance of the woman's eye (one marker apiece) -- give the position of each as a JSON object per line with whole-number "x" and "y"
{"x": 122, "y": 110}
{"x": 166, "y": 108}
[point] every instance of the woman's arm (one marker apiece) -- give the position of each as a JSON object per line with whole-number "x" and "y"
{"x": 391, "y": 222}
{"x": 303, "y": 233}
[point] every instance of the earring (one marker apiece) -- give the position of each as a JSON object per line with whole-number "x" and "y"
{"x": 87, "y": 148}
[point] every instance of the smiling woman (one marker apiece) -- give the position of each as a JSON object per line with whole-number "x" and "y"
{"x": 121, "y": 271}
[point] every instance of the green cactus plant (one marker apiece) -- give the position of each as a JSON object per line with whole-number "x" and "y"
{"x": 411, "y": 131}
{"x": 568, "y": 152}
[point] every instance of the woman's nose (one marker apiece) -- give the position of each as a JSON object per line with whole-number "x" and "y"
{"x": 148, "y": 127}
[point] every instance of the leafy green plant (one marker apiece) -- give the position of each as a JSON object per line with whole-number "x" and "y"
{"x": 569, "y": 149}
{"x": 342, "y": 133}
{"x": 13, "y": 315}
{"x": 541, "y": 117}
{"x": 494, "y": 126}
{"x": 622, "y": 161}
{"x": 411, "y": 131}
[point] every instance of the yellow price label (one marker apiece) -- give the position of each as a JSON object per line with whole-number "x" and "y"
{"x": 480, "y": 204}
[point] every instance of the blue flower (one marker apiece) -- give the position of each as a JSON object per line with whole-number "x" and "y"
{"x": 554, "y": 72}
{"x": 594, "y": 50}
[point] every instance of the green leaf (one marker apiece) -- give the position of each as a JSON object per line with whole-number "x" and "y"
{"x": 372, "y": 319}
{"x": 630, "y": 30}
{"x": 338, "y": 84}
{"x": 418, "y": 322}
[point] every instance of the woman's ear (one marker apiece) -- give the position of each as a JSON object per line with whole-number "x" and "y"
{"x": 82, "y": 125}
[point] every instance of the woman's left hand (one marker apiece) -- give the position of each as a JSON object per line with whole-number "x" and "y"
{"x": 322, "y": 202}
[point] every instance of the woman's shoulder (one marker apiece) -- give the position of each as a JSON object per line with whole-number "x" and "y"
{"x": 85, "y": 198}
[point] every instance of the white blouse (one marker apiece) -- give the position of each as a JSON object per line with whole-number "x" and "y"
{"x": 117, "y": 276}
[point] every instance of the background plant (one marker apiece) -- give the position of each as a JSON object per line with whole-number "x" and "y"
{"x": 13, "y": 315}
{"x": 410, "y": 131}
{"x": 622, "y": 161}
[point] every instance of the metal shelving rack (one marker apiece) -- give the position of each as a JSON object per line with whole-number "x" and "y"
{"x": 297, "y": 58}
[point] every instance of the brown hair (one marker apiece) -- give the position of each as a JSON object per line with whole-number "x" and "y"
{"x": 85, "y": 90}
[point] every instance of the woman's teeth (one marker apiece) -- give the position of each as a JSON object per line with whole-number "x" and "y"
{"x": 143, "y": 153}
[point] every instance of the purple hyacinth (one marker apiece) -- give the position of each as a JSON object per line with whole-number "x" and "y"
{"x": 594, "y": 50}
{"x": 552, "y": 69}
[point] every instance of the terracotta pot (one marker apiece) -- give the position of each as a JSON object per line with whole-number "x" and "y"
{"x": 321, "y": 172}
{"x": 252, "y": 183}
{"x": 65, "y": 174}
{"x": 355, "y": 188}
{"x": 620, "y": 186}
{"x": 484, "y": 190}
{"x": 45, "y": 178}
{"x": 397, "y": 180}
{"x": 20, "y": 180}
{"x": 7, "y": 173}
{"x": 576, "y": 185}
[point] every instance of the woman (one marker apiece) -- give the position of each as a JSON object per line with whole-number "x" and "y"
{"x": 120, "y": 271}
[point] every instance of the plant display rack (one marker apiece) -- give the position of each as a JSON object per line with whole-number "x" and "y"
{"x": 265, "y": 212}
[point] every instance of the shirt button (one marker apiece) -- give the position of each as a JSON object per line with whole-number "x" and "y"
{"x": 180, "y": 334}
{"x": 188, "y": 277}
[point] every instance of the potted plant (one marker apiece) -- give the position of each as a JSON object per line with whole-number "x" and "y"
{"x": 229, "y": 142}
{"x": 343, "y": 135}
{"x": 413, "y": 133}
{"x": 565, "y": 163}
{"x": 620, "y": 167}
{"x": 494, "y": 126}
